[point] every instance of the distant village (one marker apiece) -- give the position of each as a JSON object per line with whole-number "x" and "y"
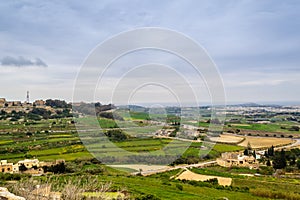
{"x": 18, "y": 106}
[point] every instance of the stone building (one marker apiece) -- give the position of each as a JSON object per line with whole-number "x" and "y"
{"x": 34, "y": 166}
{"x": 13, "y": 104}
{"x": 29, "y": 163}
{"x": 6, "y": 167}
{"x": 39, "y": 103}
{"x": 2, "y": 102}
{"x": 237, "y": 160}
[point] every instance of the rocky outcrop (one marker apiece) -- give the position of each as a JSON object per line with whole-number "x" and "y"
{"x": 6, "y": 195}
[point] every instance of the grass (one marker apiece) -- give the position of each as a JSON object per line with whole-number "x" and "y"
{"x": 108, "y": 195}
{"x": 272, "y": 127}
{"x": 139, "y": 115}
{"x": 6, "y": 142}
{"x": 163, "y": 189}
{"x": 203, "y": 124}
{"x": 159, "y": 186}
{"x": 269, "y": 188}
{"x": 224, "y": 171}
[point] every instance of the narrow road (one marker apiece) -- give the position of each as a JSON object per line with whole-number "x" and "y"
{"x": 289, "y": 146}
{"x": 168, "y": 168}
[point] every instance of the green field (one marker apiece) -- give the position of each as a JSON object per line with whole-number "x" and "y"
{"x": 279, "y": 127}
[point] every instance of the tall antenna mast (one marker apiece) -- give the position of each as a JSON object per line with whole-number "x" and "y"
{"x": 27, "y": 97}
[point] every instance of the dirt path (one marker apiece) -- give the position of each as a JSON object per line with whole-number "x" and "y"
{"x": 147, "y": 170}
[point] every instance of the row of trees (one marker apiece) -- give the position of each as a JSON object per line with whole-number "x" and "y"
{"x": 278, "y": 159}
{"x": 57, "y": 103}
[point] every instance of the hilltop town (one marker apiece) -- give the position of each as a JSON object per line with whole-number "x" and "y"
{"x": 18, "y": 106}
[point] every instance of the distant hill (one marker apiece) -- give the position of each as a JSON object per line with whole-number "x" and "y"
{"x": 134, "y": 108}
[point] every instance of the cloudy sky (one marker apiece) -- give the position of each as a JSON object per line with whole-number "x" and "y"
{"x": 255, "y": 44}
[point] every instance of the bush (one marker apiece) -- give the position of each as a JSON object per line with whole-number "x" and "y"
{"x": 147, "y": 197}
{"x": 179, "y": 187}
{"x": 266, "y": 170}
{"x": 11, "y": 177}
{"x": 294, "y": 128}
{"x": 56, "y": 169}
{"x": 213, "y": 181}
{"x": 298, "y": 164}
{"x": 116, "y": 135}
{"x": 98, "y": 170}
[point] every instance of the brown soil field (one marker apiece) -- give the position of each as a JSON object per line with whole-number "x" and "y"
{"x": 188, "y": 175}
{"x": 264, "y": 142}
{"x": 226, "y": 138}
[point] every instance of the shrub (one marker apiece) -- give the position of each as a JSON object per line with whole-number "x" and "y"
{"x": 147, "y": 197}
{"x": 179, "y": 187}
{"x": 213, "y": 181}
{"x": 116, "y": 135}
{"x": 59, "y": 168}
{"x": 274, "y": 194}
{"x": 294, "y": 128}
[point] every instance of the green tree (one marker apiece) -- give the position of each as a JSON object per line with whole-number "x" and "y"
{"x": 279, "y": 161}
{"x": 246, "y": 152}
{"x": 116, "y": 135}
{"x": 22, "y": 168}
{"x": 292, "y": 160}
{"x": 254, "y": 154}
{"x": 298, "y": 163}
{"x": 271, "y": 151}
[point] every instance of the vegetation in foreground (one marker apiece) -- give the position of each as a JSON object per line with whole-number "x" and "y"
{"x": 85, "y": 177}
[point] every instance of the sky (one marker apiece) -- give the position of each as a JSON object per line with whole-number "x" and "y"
{"x": 254, "y": 44}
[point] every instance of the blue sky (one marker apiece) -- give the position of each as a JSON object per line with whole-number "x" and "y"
{"x": 255, "y": 44}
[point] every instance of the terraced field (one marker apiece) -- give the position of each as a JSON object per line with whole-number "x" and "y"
{"x": 57, "y": 138}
